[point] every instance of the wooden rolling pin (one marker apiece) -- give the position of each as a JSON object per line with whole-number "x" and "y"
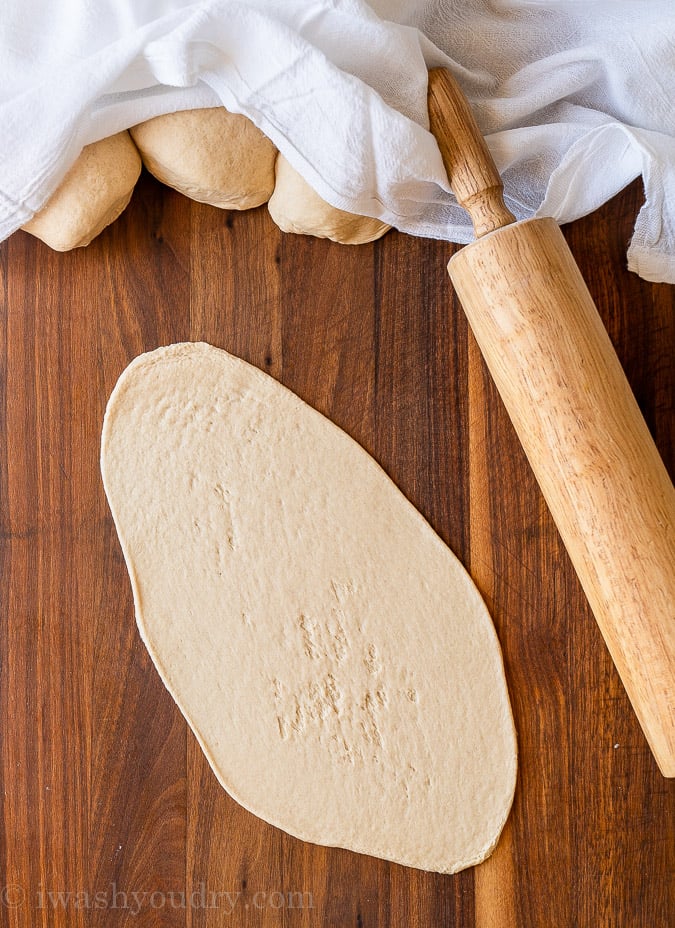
{"x": 568, "y": 398}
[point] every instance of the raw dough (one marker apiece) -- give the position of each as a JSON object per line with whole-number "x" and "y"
{"x": 93, "y": 193}
{"x": 331, "y": 654}
{"x": 210, "y": 155}
{"x": 296, "y": 207}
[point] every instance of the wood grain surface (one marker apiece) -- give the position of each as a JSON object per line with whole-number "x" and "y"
{"x": 109, "y": 813}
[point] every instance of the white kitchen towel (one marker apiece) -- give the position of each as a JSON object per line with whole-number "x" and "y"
{"x": 575, "y": 97}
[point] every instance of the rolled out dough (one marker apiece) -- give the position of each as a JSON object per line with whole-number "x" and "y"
{"x": 332, "y": 656}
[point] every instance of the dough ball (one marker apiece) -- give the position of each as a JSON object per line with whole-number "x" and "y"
{"x": 210, "y": 155}
{"x": 296, "y": 207}
{"x": 93, "y": 193}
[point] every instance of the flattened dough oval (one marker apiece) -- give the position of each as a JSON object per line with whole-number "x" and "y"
{"x": 330, "y": 653}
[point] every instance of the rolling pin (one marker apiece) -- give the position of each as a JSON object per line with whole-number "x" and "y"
{"x": 565, "y": 391}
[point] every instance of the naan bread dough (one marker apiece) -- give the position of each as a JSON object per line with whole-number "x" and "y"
{"x": 296, "y": 207}
{"x": 210, "y": 155}
{"x": 93, "y": 193}
{"x": 330, "y": 653}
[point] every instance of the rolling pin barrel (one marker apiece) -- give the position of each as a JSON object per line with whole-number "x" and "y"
{"x": 589, "y": 447}
{"x": 568, "y": 398}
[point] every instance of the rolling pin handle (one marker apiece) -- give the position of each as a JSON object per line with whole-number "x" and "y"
{"x": 472, "y": 173}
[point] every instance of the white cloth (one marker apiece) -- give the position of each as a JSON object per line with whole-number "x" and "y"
{"x": 575, "y": 98}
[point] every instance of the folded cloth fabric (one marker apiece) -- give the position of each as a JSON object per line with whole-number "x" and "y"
{"x": 575, "y": 98}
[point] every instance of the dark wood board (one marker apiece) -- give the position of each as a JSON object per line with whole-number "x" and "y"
{"x": 106, "y": 797}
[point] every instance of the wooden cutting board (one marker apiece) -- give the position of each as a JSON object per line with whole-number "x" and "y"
{"x": 110, "y": 814}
